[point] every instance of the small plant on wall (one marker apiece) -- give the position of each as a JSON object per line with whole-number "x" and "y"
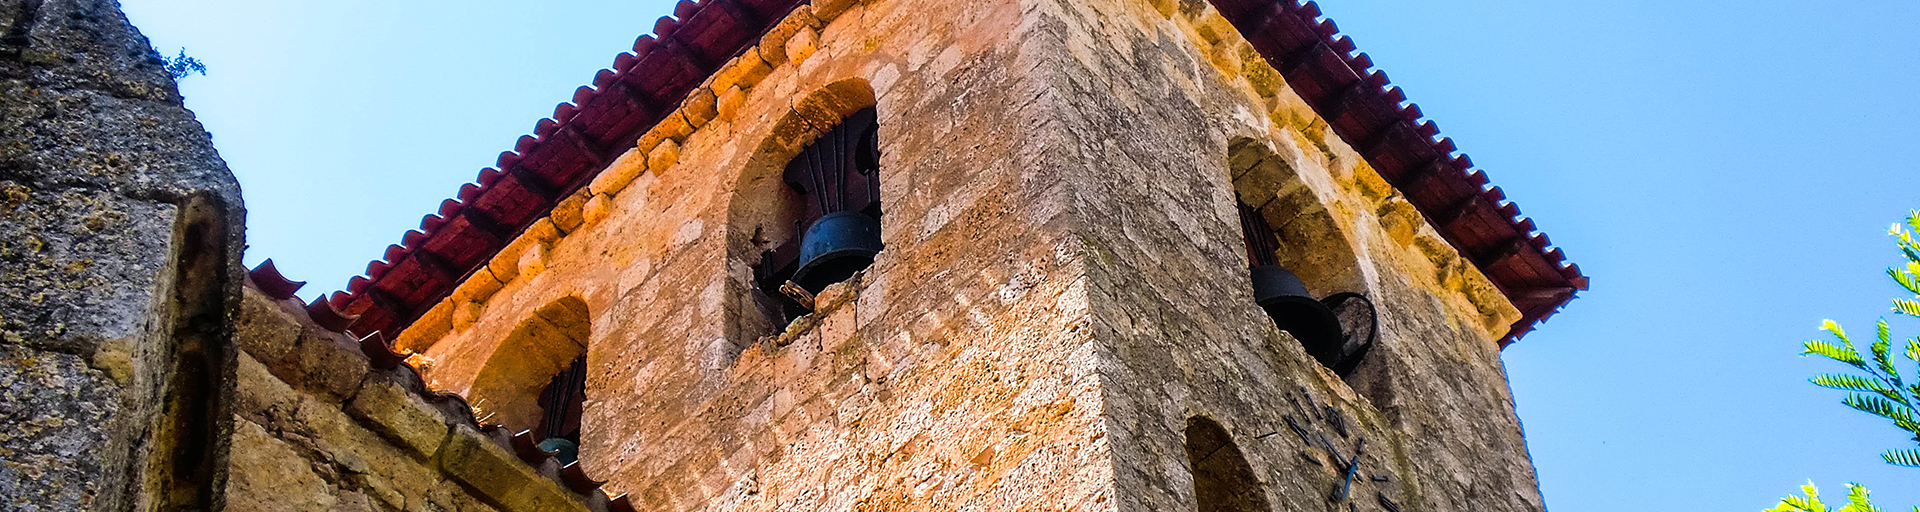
{"x": 181, "y": 65}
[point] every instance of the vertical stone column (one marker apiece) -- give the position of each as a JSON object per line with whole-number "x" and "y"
{"x": 1143, "y": 100}
{"x": 120, "y": 238}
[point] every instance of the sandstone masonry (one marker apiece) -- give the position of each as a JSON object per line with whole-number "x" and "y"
{"x": 1060, "y": 320}
{"x": 1060, "y": 295}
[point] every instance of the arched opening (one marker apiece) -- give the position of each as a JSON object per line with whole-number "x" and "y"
{"x": 1305, "y": 274}
{"x": 1222, "y": 480}
{"x": 837, "y": 181}
{"x": 807, "y": 210}
{"x": 536, "y": 378}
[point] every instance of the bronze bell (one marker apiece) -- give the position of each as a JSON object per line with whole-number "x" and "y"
{"x": 1285, "y": 298}
{"x": 835, "y": 248}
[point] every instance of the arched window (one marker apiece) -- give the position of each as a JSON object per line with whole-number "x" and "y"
{"x": 836, "y": 218}
{"x": 561, "y": 404}
{"x": 1295, "y": 249}
{"x": 1222, "y": 480}
{"x": 536, "y": 378}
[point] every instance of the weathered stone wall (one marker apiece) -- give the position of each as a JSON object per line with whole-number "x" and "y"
{"x": 1150, "y": 97}
{"x": 318, "y": 429}
{"x": 1063, "y": 286}
{"x": 119, "y": 262}
{"x": 957, "y": 372}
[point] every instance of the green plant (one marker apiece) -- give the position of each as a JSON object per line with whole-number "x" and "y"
{"x": 1882, "y": 391}
{"x": 1856, "y": 501}
{"x": 180, "y": 66}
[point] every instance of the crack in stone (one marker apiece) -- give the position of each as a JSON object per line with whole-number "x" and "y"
{"x": 19, "y": 35}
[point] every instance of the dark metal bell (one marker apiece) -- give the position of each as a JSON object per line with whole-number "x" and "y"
{"x": 835, "y": 248}
{"x": 1285, "y": 298}
{"x": 562, "y": 449}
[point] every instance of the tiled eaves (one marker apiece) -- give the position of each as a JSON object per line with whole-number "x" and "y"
{"x": 646, "y": 88}
{"x": 382, "y": 365}
{"x": 643, "y": 89}
{"x": 1374, "y": 117}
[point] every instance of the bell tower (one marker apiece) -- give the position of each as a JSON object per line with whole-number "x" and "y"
{"x": 1132, "y": 255}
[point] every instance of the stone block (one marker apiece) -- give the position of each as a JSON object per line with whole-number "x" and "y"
{"x": 596, "y": 210}
{"x": 1166, "y": 8}
{"x": 1241, "y": 160}
{"x": 743, "y": 72}
{"x": 773, "y": 45}
{"x": 264, "y": 328}
{"x": 533, "y": 260}
{"x": 263, "y": 398}
{"x": 401, "y": 416}
{"x": 833, "y": 296}
{"x": 730, "y": 102}
{"x": 1401, "y": 221}
{"x": 328, "y": 365}
{"x": 1372, "y": 186}
{"x": 476, "y": 461}
{"x": 268, "y": 475}
{"x": 700, "y": 107}
{"x": 435, "y": 323}
{"x": 1265, "y": 81}
{"x": 620, "y": 173}
{"x": 802, "y": 45}
{"x": 367, "y": 459}
{"x": 672, "y": 128}
{"x": 567, "y": 215}
{"x": 465, "y": 314}
{"x": 828, "y": 10}
{"x": 663, "y": 156}
{"x": 826, "y": 108}
{"x": 505, "y": 265}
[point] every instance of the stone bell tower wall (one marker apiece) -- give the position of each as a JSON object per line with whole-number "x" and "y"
{"x": 1164, "y": 113}
{"x": 1062, "y": 290}
{"x": 957, "y": 370}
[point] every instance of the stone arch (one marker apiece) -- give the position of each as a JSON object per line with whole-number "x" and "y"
{"x": 761, "y": 208}
{"x": 507, "y": 390}
{"x": 1222, "y": 479}
{"x": 1311, "y": 242}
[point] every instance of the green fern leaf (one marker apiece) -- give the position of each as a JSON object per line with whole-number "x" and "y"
{"x": 1847, "y": 382}
{"x": 1908, "y": 458}
{"x": 1877, "y": 406}
{"x": 1908, "y": 425}
{"x": 1844, "y": 354}
{"x": 1856, "y": 498}
{"x": 1834, "y": 327}
{"x": 1810, "y": 503}
{"x": 1907, "y": 307}
{"x": 1908, "y": 277}
{"x": 1882, "y": 349}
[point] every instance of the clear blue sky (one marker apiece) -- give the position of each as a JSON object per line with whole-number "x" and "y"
{"x": 1724, "y": 170}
